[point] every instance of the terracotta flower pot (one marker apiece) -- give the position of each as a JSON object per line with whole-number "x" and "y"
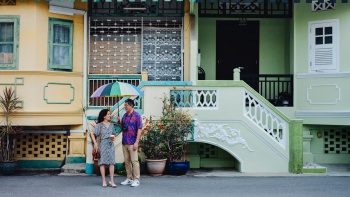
{"x": 156, "y": 167}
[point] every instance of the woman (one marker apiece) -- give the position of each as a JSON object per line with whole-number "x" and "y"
{"x": 103, "y": 130}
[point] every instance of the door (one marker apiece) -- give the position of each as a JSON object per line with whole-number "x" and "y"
{"x": 237, "y": 45}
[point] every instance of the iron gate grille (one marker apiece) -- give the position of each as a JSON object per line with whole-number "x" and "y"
{"x": 243, "y": 9}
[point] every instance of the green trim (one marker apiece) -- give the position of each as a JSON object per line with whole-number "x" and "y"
{"x": 164, "y": 83}
{"x": 18, "y": 81}
{"x": 51, "y": 44}
{"x": 39, "y": 163}
{"x": 76, "y": 159}
{"x": 296, "y": 146}
{"x": 47, "y": 85}
{"x": 118, "y": 165}
{"x": 89, "y": 168}
{"x": 314, "y": 170}
{"x": 16, "y": 21}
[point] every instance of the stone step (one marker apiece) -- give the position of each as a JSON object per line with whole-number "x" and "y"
{"x": 74, "y": 168}
{"x": 314, "y": 168}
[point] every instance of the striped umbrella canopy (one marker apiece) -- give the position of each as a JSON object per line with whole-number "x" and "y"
{"x": 117, "y": 89}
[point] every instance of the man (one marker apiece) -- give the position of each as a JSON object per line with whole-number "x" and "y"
{"x": 131, "y": 125}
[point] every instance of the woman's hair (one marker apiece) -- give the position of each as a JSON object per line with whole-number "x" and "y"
{"x": 101, "y": 115}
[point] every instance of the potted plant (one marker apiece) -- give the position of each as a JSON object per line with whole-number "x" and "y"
{"x": 167, "y": 137}
{"x": 178, "y": 125}
{"x": 8, "y": 132}
{"x": 152, "y": 145}
{"x": 283, "y": 99}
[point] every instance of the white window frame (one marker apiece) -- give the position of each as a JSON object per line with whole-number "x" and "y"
{"x": 327, "y": 67}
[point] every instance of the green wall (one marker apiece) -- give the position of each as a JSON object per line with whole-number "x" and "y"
{"x": 302, "y": 16}
{"x": 274, "y": 45}
{"x": 317, "y": 145}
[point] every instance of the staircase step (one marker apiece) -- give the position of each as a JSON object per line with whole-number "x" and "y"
{"x": 314, "y": 168}
{"x": 74, "y": 168}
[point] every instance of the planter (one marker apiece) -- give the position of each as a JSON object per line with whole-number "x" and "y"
{"x": 143, "y": 168}
{"x": 8, "y": 168}
{"x": 156, "y": 167}
{"x": 179, "y": 168}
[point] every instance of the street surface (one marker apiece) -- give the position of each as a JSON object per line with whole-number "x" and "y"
{"x": 177, "y": 186}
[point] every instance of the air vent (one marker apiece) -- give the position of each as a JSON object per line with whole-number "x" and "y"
{"x": 327, "y": 5}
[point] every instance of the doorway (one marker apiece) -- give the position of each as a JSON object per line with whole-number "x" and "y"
{"x": 237, "y": 45}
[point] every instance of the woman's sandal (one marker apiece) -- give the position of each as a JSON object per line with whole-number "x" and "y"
{"x": 104, "y": 185}
{"x": 112, "y": 185}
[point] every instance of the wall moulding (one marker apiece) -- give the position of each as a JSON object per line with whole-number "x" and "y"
{"x": 323, "y": 94}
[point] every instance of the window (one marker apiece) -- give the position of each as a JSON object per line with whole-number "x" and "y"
{"x": 9, "y": 36}
{"x": 323, "y": 46}
{"x": 60, "y": 45}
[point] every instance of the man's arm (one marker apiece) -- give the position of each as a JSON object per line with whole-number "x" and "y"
{"x": 136, "y": 145}
{"x": 139, "y": 132}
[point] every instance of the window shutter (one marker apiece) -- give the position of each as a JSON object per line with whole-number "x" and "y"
{"x": 323, "y": 41}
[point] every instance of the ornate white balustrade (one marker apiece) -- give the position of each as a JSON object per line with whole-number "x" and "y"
{"x": 265, "y": 118}
{"x": 201, "y": 98}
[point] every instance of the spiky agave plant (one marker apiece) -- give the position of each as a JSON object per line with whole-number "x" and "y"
{"x": 8, "y": 104}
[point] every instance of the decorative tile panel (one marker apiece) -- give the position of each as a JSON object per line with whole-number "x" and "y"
{"x": 39, "y": 146}
{"x": 129, "y": 45}
{"x": 162, "y": 52}
{"x": 207, "y": 151}
{"x": 337, "y": 141}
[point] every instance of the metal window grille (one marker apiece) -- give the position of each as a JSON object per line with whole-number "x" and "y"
{"x": 245, "y": 9}
{"x": 106, "y": 101}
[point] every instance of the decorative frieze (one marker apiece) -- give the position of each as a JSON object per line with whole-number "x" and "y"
{"x": 220, "y": 132}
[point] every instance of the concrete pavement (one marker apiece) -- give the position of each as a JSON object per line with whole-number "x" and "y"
{"x": 176, "y": 186}
{"x": 331, "y": 170}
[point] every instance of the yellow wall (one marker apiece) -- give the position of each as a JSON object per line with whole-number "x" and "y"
{"x": 33, "y": 69}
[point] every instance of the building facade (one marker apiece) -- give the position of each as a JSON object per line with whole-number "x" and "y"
{"x": 253, "y": 73}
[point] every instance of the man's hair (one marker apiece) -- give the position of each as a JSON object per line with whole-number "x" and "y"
{"x": 130, "y": 102}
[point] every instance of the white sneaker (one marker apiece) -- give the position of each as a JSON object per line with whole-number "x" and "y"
{"x": 135, "y": 183}
{"x": 127, "y": 182}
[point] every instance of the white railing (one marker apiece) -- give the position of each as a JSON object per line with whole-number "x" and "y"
{"x": 94, "y": 84}
{"x": 205, "y": 98}
{"x": 201, "y": 98}
{"x": 273, "y": 125}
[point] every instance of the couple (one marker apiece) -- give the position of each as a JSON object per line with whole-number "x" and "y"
{"x": 131, "y": 125}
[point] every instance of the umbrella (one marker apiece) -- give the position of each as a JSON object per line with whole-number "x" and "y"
{"x": 117, "y": 89}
